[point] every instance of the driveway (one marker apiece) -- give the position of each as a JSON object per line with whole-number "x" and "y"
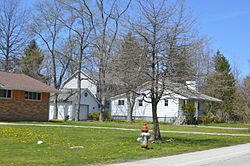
{"x": 238, "y": 155}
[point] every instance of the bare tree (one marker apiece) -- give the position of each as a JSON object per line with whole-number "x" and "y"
{"x": 13, "y": 21}
{"x": 79, "y": 20}
{"x": 47, "y": 27}
{"x": 108, "y": 17}
{"x": 245, "y": 95}
{"x": 166, "y": 30}
{"x": 201, "y": 60}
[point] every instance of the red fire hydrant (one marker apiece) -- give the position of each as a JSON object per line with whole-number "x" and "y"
{"x": 144, "y": 136}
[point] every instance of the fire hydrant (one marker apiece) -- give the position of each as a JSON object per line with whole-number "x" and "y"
{"x": 144, "y": 137}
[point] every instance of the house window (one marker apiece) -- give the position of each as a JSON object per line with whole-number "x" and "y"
{"x": 86, "y": 94}
{"x": 32, "y": 96}
{"x": 166, "y": 102}
{"x": 120, "y": 102}
{"x": 140, "y": 102}
{"x": 107, "y": 104}
{"x": 5, "y": 93}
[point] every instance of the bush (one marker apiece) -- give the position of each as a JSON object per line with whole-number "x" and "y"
{"x": 94, "y": 116}
{"x": 203, "y": 119}
{"x": 209, "y": 118}
{"x": 107, "y": 115}
{"x": 66, "y": 117}
{"x": 189, "y": 111}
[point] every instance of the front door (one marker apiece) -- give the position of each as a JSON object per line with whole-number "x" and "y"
{"x": 84, "y": 111}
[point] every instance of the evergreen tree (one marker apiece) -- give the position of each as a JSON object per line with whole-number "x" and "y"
{"x": 222, "y": 84}
{"x": 179, "y": 65}
{"x": 31, "y": 63}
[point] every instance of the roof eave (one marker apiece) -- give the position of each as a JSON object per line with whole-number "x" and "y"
{"x": 31, "y": 90}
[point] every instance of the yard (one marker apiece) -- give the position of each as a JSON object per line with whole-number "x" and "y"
{"x": 162, "y": 126}
{"x": 18, "y": 144}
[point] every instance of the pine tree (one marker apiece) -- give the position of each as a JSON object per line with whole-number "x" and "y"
{"x": 222, "y": 84}
{"x": 179, "y": 65}
{"x": 31, "y": 63}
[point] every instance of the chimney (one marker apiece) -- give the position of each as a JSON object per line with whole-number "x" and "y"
{"x": 191, "y": 85}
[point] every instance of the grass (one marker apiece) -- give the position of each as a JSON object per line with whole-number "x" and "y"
{"x": 235, "y": 125}
{"x": 138, "y": 126}
{"x": 18, "y": 145}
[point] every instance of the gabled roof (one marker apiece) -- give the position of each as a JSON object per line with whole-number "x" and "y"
{"x": 189, "y": 93}
{"x": 176, "y": 88}
{"x": 92, "y": 76}
{"x": 14, "y": 81}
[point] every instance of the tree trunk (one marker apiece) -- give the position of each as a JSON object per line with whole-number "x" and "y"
{"x": 156, "y": 129}
{"x": 78, "y": 102}
{"x": 102, "y": 114}
{"x": 130, "y": 104}
{"x": 55, "y": 111}
{"x": 129, "y": 115}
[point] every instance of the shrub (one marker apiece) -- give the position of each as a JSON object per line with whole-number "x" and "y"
{"x": 213, "y": 118}
{"x": 94, "y": 116}
{"x": 107, "y": 115}
{"x": 203, "y": 119}
{"x": 66, "y": 117}
{"x": 189, "y": 111}
{"x": 209, "y": 118}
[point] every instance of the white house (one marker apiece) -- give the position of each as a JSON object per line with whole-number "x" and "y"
{"x": 67, "y": 104}
{"x": 169, "y": 107}
{"x": 68, "y": 97}
{"x": 88, "y": 81}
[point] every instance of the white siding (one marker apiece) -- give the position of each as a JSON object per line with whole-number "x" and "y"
{"x": 51, "y": 109}
{"x": 165, "y": 113}
{"x": 119, "y": 110}
{"x": 144, "y": 110}
{"x": 170, "y": 111}
{"x": 90, "y": 101}
{"x": 85, "y": 83}
{"x": 63, "y": 109}
{"x": 87, "y": 101}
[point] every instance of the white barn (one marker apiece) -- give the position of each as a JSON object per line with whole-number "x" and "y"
{"x": 168, "y": 108}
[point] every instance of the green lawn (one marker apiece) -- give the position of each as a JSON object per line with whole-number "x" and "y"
{"x": 235, "y": 125}
{"x": 18, "y": 145}
{"x": 138, "y": 126}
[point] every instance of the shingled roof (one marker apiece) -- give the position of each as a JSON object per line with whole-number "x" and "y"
{"x": 14, "y": 81}
{"x": 176, "y": 88}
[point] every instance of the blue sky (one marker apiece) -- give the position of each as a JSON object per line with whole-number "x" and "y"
{"x": 227, "y": 23}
